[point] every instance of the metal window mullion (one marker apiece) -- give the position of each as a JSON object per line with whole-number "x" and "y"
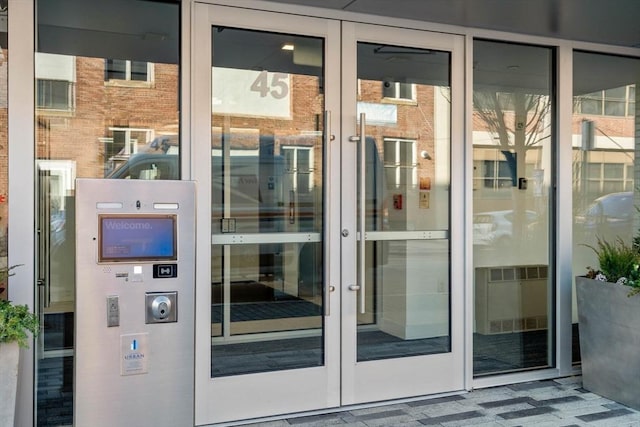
{"x": 264, "y": 238}
{"x": 406, "y": 235}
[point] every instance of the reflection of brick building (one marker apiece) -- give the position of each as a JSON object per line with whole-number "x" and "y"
{"x": 416, "y": 114}
{"x": 302, "y": 128}
{"x": 602, "y": 141}
{"x": 86, "y": 113}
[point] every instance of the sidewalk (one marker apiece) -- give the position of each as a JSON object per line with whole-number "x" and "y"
{"x": 560, "y": 402}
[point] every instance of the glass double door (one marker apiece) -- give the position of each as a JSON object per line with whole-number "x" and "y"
{"x": 332, "y": 218}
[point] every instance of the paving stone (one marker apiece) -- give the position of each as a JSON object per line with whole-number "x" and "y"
{"x": 453, "y": 417}
{"x": 327, "y": 419}
{"x": 509, "y": 408}
{"x": 505, "y": 402}
{"x": 479, "y": 421}
{"x": 393, "y": 421}
{"x": 381, "y": 414}
{"x": 547, "y": 393}
{"x": 435, "y": 401}
{"x": 532, "y": 385}
{"x": 569, "y": 380}
{"x": 476, "y": 398}
{"x": 624, "y": 421}
{"x": 377, "y": 409}
{"x": 446, "y": 409}
{"x": 614, "y": 406}
{"x": 597, "y": 416}
{"x": 522, "y": 413}
{"x": 557, "y": 401}
{"x": 539, "y": 420}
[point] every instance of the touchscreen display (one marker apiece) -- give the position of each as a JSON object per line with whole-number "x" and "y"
{"x": 137, "y": 238}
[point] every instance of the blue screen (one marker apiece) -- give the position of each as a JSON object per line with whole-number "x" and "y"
{"x": 143, "y": 237}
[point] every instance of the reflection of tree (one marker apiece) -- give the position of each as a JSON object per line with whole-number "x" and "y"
{"x": 517, "y": 121}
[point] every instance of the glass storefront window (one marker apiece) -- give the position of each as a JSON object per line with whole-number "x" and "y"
{"x": 105, "y": 107}
{"x": 512, "y": 207}
{"x": 605, "y": 158}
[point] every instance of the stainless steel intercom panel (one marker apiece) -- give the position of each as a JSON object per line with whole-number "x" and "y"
{"x": 135, "y": 288}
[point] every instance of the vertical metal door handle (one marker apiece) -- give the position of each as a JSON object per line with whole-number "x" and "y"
{"x": 361, "y": 210}
{"x": 326, "y": 138}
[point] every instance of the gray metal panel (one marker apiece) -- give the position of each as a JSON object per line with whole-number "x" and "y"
{"x": 108, "y": 392}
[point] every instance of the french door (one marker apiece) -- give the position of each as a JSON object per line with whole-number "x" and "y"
{"x": 329, "y": 228}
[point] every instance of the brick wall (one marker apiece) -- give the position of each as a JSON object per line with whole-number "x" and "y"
{"x": 98, "y": 106}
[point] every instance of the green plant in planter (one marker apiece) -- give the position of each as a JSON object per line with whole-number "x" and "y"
{"x": 619, "y": 263}
{"x": 15, "y": 320}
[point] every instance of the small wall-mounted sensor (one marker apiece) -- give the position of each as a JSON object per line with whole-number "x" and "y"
{"x": 425, "y": 155}
{"x": 522, "y": 183}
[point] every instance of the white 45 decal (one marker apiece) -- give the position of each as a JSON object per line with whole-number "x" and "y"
{"x": 277, "y": 88}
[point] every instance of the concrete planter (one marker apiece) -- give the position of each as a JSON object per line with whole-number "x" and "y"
{"x": 609, "y": 340}
{"x": 9, "y": 358}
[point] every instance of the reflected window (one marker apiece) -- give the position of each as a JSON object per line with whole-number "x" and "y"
{"x": 55, "y": 82}
{"x": 619, "y": 101}
{"x": 398, "y": 90}
{"x": 400, "y": 162}
{"x": 299, "y": 165}
{"x": 55, "y": 94}
{"x": 497, "y": 174}
{"x": 119, "y": 69}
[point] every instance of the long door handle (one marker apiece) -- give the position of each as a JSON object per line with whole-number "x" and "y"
{"x": 362, "y": 140}
{"x": 326, "y": 139}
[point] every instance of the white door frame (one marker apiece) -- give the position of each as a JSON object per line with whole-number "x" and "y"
{"x": 408, "y": 376}
{"x": 268, "y": 393}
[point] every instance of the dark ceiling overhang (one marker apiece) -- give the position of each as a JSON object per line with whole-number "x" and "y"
{"x": 612, "y": 22}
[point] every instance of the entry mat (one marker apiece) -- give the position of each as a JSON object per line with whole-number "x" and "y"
{"x": 256, "y": 301}
{"x": 265, "y": 310}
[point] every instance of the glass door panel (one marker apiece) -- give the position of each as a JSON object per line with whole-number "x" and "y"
{"x": 513, "y": 152}
{"x": 403, "y": 317}
{"x": 266, "y": 320}
{"x": 266, "y": 220}
{"x": 402, "y": 308}
{"x": 403, "y": 195}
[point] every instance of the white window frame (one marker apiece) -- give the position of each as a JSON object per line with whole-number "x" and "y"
{"x": 397, "y": 92}
{"x": 71, "y": 96}
{"x": 398, "y": 165}
{"x": 127, "y": 78}
{"x": 130, "y": 144}
{"x": 294, "y": 170}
